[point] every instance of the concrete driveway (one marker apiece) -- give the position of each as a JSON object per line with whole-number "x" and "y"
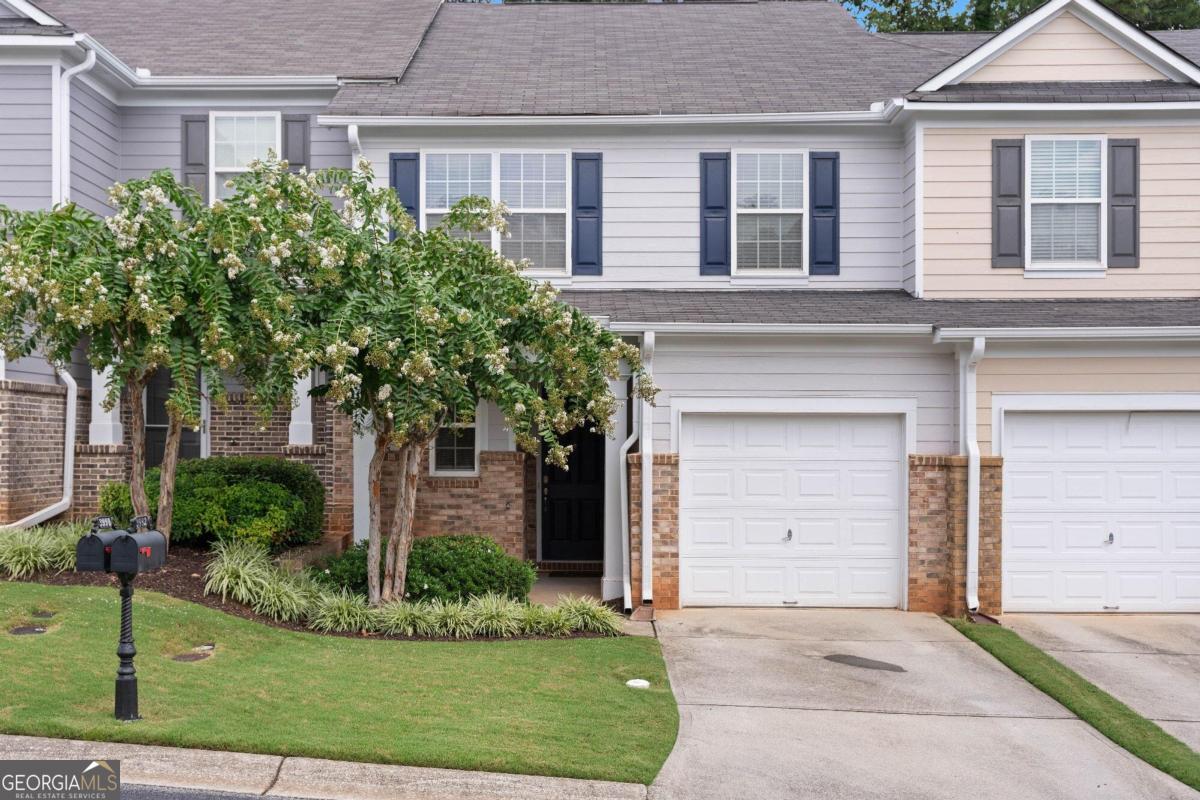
{"x": 1149, "y": 662}
{"x": 791, "y": 703}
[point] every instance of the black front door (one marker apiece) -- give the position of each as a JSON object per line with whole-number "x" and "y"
{"x": 573, "y": 502}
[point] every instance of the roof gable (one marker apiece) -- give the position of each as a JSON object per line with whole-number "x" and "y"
{"x": 24, "y": 10}
{"x": 1067, "y": 40}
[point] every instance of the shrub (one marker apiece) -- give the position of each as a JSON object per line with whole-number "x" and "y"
{"x": 540, "y": 620}
{"x": 270, "y": 501}
{"x": 341, "y": 612}
{"x": 440, "y": 568}
{"x": 406, "y": 619}
{"x": 240, "y": 570}
{"x": 586, "y": 614}
{"x": 495, "y": 615}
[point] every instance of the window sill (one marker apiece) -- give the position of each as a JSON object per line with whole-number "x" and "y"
{"x": 783, "y": 279}
{"x": 1089, "y": 272}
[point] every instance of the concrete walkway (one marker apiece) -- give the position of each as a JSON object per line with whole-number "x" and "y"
{"x": 276, "y": 776}
{"x": 786, "y": 703}
{"x": 1150, "y": 662}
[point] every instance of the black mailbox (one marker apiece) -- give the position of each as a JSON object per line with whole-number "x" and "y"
{"x": 135, "y": 553}
{"x": 94, "y": 551}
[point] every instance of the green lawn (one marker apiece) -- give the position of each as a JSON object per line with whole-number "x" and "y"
{"x": 549, "y": 707}
{"x": 1094, "y": 706}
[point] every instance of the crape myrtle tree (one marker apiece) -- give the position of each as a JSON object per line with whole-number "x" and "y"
{"x": 144, "y": 289}
{"x": 409, "y": 330}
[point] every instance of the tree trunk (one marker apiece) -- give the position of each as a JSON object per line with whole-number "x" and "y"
{"x": 389, "y": 564}
{"x": 137, "y": 433}
{"x": 401, "y": 532}
{"x": 374, "y": 530}
{"x": 166, "y": 481}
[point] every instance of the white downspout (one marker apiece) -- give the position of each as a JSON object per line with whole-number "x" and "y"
{"x": 623, "y": 467}
{"x": 647, "y": 441}
{"x": 355, "y": 145}
{"x": 68, "y": 462}
{"x": 64, "y": 121}
{"x": 969, "y": 363}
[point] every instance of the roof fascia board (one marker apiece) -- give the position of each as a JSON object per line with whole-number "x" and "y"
{"x": 882, "y": 115}
{"x": 1140, "y": 44}
{"x": 900, "y": 329}
{"x": 1164, "y": 333}
{"x": 28, "y": 40}
{"x": 937, "y": 107}
{"x": 33, "y": 12}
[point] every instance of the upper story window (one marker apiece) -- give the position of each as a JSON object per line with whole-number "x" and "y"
{"x": 769, "y": 215}
{"x": 1065, "y": 202}
{"x": 533, "y": 185}
{"x": 455, "y": 450}
{"x": 239, "y": 137}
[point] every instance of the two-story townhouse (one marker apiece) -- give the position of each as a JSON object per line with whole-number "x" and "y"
{"x": 923, "y": 307}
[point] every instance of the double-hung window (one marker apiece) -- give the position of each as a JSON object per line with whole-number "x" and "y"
{"x": 455, "y": 450}
{"x": 770, "y": 222}
{"x": 534, "y": 185}
{"x": 239, "y": 137}
{"x": 1065, "y": 194}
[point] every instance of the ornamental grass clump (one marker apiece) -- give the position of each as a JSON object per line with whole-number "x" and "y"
{"x": 24, "y": 552}
{"x": 406, "y": 619}
{"x": 341, "y": 612}
{"x": 283, "y": 598}
{"x": 590, "y": 616}
{"x": 452, "y": 619}
{"x": 60, "y": 540}
{"x": 241, "y": 570}
{"x": 495, "y": 615}
{"x": 540, "y": 620}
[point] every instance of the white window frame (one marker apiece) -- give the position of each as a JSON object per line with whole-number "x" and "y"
{"x": 480, "y": 427}
{"x": 1101, "y": 203}
{"x": 566, "y": 210}
{"x": 752, "y": 272}
{"x": 213, "y": 171}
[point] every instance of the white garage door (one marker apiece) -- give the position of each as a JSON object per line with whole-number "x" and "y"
{"x": 790, "y": 510}
{"x": 1102, "y": 511}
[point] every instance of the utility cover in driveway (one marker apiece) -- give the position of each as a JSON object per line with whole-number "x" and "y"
{"x": 1102, "y": 511}
{"x": 790, "y": 509}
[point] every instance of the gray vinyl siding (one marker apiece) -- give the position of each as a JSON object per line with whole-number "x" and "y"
{"x": 95, "y": 147}
{"x": 766, "y": 366}
{"x": 25, "y": 137}
{"x": 652, "y": 196}
{"x": 151, "y": 139}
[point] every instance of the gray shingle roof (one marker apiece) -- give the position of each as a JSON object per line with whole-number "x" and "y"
{"x": 614, "y": 58}
{"x": 1062, "y": 92}
{"x": 348, "y": 38}
{"x": 785, "y": 307}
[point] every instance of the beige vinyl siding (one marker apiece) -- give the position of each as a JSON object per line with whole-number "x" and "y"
{"x": 1120, "y": 374}
{"x": 958, "y": 217}
{"x": 1066, "y": 49}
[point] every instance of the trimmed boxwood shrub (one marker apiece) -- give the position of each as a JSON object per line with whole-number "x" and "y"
{"x": 269, "y": 501}
{"x": 446, "y": 568}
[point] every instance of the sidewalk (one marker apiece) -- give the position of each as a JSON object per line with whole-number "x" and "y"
{"x": 278, "y": 776}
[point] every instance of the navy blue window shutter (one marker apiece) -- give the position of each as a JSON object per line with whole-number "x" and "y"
{"x": 587, "y": 181}
{"x": 406, "y": 181}
{"x": 824, "y": 252}
{"x": 714, "y": 213}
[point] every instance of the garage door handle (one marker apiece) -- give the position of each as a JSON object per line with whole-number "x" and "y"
{"x": 1111, "y": 538}
{"x": 788, "y": 538}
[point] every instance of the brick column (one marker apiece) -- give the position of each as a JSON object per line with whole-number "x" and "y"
{"x": 32, "y": 427}
{"x": 666, "y": 529}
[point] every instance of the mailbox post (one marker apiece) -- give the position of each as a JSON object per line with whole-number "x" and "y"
{"x": 128, "y": 554}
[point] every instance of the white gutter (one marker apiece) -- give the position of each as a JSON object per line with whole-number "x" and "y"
{"x": 878, "y": 113}
{"x": 1164, "y": 333}
{"x": 968, "y": 366}
{"x": 753, "y": 327}
{"x": 959, "y": 108}
{"x": 64, "y": 503}
{"x": 647, "y": 443}
{"x": 64, "y": 122}
{"x": 623, "y": 468}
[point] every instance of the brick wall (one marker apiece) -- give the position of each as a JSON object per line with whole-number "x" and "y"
{"x": 32, "y": 426}
{"x": 666, "y": 529}
{"x": 95, "y": 465}
{"x": 495, "y": 503}
{"x": 937, "y": 542}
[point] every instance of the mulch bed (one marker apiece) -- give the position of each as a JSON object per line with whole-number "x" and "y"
{"x": 182, "y": 577}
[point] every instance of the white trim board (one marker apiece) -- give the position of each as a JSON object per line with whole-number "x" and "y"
{"x": 1094, "y": 14}
{"x": 1106, "y": 401}
{"x": 27, "y": 9}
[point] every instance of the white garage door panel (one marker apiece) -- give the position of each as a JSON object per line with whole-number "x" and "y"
{"x": 833, "y": 482}
{"x": 1071, "y": 480}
